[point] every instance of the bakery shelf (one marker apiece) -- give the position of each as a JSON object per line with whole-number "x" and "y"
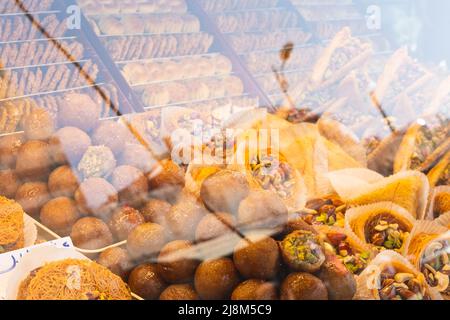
{"x": 44, "y": 65}
{"x": 181, "y": 103}
{"x": 207, "y": 54}
{"x": 97, "y": 84}
{"x": 40, "y": 40}
{"x": 12, "y": 14}
{"x": 148, "y": 34}
{"x": 216, "y": 76}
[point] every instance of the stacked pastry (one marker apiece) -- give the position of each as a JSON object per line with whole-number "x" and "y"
{"x": 140, "y": 24}
{"x": 245, "y": 42}
{"x": 132, "y": 6}
{"x": 244, "y": 21}
{"x": 39, "y": 62}
{"x": 229, "y": 5}
{"x": 29, "y": 5}
{"x": 138, "y": 73}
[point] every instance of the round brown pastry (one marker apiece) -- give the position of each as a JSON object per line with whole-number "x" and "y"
{"x": 68, "y": 145}
{"x": 136, "y": 155}
{"x": 255, "y": 289}
{"x": 166, "y": 180}
{"x": 214, "y": 225}
{"x": 174, "y": 262}
{"x": 262, "y": 209}
{"x": 38, "y": 125}
{"x": 63, "y": 182}
{"x": 216, "y": 279}
{"x": 145, "y": 240}
{"x": 123, "y": 221}
{"x": 33, "y": 161}
{"x": 32, "y": 196}
{"x": 91, "y": 234}
{"x": 78, "y": 110}
{"x": 302, "y": 251}
{"x": 131, "y": 183}
{"x": 117, "y": 260}
{"x": 9, "y": 183}
{"x": 224, "y": 191}
{"x": 112, "y": 135}
{"x": 183, "y": 217}
{"x": 145, "y": 281}
{"x": 257, "y": 257}
{"x": 303, "y": 286}
{"x": 9, "y": 147}
{"x": 60, "y": 214}
{"x": 97, "y": 162}
{"x": 96, "y": 196}
{"x": 339, "y": 281}
{"x": 179, "y": 292}
{"x": 155, "y": 210}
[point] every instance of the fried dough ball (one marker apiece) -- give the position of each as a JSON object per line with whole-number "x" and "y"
{"x": 9, "y": 147}
{"x": 214, "y": 225}
{"x": 303, "y": 286}
{"x": 177, "y": 269}
{"x": 131, "y": 184}
{"x": 216, "y": 279}
{"x": 224, "y": 191}
{"x": 255, "y": 289}
{"x": 166, "y": 181}
{"x": 33, "y": 161}
{"x": 112, "y": 135}
{"x": 38, "y": 125}
{"x": 68, "y": 145}
{"x": 257, "y": 257}
{"x": 63, "y": 182}
{"x": 124, "y": 221}
{"x": 32, "y": 196}
{"x": 156, "y": 211}
{"x": 339, "y": 281}
{"x": 179, "y": 292}
{"x": 96, "y": 196}
{"x": 183, "y": 217}
{"x": 78, "y": 110}
{"x": 146, "y": 282}
{"x": 117, "y": 260}
{"x": 262, "y": 209}
{"x": 97, "y": 162}
{"x": 60, "y": 214}
{"x": 146, "y": 240}
{"x": 136, "y": 155}
{"x": 9, "y": 183}
{"x": 91, "y": 233}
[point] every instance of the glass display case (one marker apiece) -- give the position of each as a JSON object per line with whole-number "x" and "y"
{"x": 224, "y": 149}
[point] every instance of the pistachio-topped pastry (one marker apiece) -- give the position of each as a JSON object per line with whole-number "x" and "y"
{"x": 273, "y": 174}
{"x": 397, "y": 285}
{"x": 302, "y": 251}
{"x": 354, "y": 260}
{"x": 329, "y": 211}
{"x": 435, "y": 265}
{"x": 386, "y": 232}
{"x": 380, "y": 226}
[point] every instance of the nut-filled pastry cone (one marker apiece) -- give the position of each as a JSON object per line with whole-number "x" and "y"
{"x": 379, "y": 226}
{"x": 391, "y": 277}
{"x": 407, "y": 189}
{"x": 428, "y": 249}
{"x": 343, "y": 54}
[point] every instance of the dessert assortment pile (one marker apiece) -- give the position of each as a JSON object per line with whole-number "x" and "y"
{"x": 339, "y": 190}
